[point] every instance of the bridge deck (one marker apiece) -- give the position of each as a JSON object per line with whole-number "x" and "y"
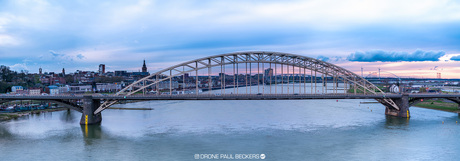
{"x": 228, "y": 96}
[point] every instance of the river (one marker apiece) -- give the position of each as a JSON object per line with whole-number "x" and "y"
{"x": 194, "y": 130}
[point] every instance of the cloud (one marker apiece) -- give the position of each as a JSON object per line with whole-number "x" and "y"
{"x": 323, "y": 58}
{"x": 7, "y": 40}
{"x": 390, "y": 56}
{"x": 455, "y": 58}
{"x": 336, "y": 58}
{"x": 131, "y": 30}
{"x": 55, "y": 54}
{"x": 18, "y": 67}
{"x": 80, "y": 56}
{"x": 68, "y": 56}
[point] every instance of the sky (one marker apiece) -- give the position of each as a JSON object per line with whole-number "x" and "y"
{"x": 411, "y": 38}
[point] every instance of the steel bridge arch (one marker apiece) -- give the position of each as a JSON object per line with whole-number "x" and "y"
{"x": 294, "y": 60}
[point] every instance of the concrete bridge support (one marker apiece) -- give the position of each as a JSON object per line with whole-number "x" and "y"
{"x": 403, "y": 104}
{"x": 89, "y": 106}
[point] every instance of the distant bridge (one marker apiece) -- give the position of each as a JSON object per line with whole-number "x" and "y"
{"x": 279, "y": 75}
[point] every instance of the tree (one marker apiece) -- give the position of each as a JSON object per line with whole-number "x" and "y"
{"x": 5, "y": 87}
{"x": 6, "y": 74}
{"x": 69, "y": 79}
{"x": 422, "y": 89}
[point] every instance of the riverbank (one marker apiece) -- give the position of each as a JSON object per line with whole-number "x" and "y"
{"x": 439, "y": 105}
{"x": 121, "y": 108}
{"x": 14, "y": 115}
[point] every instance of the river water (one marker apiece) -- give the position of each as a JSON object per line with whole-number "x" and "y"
{"x": 196, "y": 130}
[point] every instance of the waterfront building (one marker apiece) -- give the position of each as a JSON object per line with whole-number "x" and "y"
{"x": 34, "y": 91}
{"x": 17, "y": 89}
{"x": 64, "y": 89}
{"x": 108, "y": 87}
{"x": 53, "y": 90}
{"x": 80, "y": 88}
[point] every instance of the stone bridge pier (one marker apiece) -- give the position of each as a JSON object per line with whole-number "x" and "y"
{"x": 89, "y": 106}
{"x": 403, "y": 104}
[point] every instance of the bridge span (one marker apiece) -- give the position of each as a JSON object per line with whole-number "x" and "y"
{"x": 303, "y": 77}
{"x": 89, "y": 103}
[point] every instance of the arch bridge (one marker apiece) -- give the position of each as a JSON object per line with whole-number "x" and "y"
{"x": 252, "y": 74}
{"x": 243, "y": 76}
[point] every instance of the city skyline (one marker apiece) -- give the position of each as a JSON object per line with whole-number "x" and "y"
{"x": 410, "y": 39}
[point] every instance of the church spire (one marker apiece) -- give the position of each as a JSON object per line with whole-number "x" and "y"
{"x": 144, "y": 67}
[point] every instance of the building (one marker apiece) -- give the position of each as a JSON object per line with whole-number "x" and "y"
{"x": 108, "y": 87}
{"x": 140, "y": 74}
{"x": 84, "y": 76}
{"x": 56, "y": 80}
{"x": 121, "y": 73}
{"x": 80, "y": 89}
{"x": 40, "y": 70}
{"x": 53, "y": 90}
{"x": 221, "y": 75}
{"x": 45, "y": 79}
{"x": 17, "y": 89}
{"x": 102, "y": 68}
{"x": 63, "y": 72}
{"x": 109, "y": 74}
{"x": 268, "y": 72}
{"x": 144, "y": 67}
{"x": 166, "y": 85}
{"x": 64, "y": 89}
{"x": 35, "y": 91}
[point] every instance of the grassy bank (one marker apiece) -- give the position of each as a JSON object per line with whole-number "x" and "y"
{"x": 9, "y": 116}
{"x": 439, "y": 105}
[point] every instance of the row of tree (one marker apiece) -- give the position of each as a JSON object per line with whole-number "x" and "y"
{"x": 9, "y": 78}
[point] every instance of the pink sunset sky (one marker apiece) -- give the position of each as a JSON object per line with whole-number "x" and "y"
{"x": 408, "y": 38}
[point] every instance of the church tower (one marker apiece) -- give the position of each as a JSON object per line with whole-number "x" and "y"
{"x": 144, "y": 67}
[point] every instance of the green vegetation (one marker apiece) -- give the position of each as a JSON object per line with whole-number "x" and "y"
{"x": 9, "y": 116}
{"x": 422, "y": 90}
{"x": 439, "y": 105}
{"x": 8, "y": 78}
{"x": 4, "y": 117}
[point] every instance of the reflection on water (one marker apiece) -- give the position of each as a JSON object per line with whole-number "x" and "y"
{"x": 392, "y": 122}
{"x": 91, "y": 132}
{"x": 281, "y": 129}
{"x": 68, "y": 117}
{"x": 5, "y": 133}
